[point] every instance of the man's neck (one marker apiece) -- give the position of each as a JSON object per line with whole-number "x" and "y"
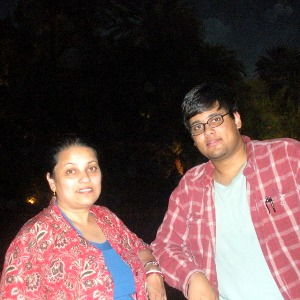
{"x": 227, "y": 170}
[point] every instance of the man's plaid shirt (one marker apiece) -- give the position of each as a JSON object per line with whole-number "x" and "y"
{"x": 185, "y": 241}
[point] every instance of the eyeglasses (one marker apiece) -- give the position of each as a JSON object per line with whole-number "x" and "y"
{"x": 215, "y": 121}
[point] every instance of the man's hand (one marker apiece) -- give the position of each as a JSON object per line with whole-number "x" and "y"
{"x": 200, "y": 288}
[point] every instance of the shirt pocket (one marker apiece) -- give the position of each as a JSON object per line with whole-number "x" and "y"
{"x": 197, "y": 232}
{"x": 285, "y": 201}
{"x": 283, "y": 219}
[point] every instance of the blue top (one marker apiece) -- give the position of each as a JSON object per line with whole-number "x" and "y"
{"x": 124, "y": 285}
{"x": 120, "y": 271}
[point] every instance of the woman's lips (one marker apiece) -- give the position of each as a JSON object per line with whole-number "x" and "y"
{"x": 85, "y": 190}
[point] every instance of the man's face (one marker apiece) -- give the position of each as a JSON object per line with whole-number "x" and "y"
{"x": 221, "y": 142}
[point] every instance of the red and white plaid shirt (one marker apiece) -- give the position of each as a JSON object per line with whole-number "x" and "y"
{"x": 185, "y": 241}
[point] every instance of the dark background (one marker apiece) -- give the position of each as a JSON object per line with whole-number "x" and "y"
{"x": 115, "y": 73}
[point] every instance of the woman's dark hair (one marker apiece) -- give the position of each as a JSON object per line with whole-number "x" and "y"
{"x": 63, "y": 145}
{"x": 204, "y": 97}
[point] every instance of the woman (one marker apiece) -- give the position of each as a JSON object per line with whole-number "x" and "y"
{"x": 74, "y": 249}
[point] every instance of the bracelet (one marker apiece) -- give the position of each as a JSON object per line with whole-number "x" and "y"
{"x": 151, "y": 272}
{"x": 152, "y": 262}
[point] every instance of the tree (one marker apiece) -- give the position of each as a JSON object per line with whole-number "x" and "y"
{"x": 112, "y": 70}
{"x": 280, "y": 68}
{"x": 261, "y": 118}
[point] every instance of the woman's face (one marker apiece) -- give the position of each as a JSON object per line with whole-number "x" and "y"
{"x": 77, "y": 178}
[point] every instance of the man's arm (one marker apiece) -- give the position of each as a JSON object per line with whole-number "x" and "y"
{"x": 171, "y": 246}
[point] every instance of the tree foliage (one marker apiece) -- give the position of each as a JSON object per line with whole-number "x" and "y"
{"x": 280, "y": 69}
{"x": 262, "y": 115}
{"x": 114, "y": 71}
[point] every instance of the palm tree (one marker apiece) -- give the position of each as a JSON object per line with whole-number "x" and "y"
{"x": 280, "y": 68}
{"x": 220, "y": 65}
{"x": 143, "y": 22}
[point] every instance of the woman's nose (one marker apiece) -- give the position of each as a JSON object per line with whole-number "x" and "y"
{"x": 84, "y": 177}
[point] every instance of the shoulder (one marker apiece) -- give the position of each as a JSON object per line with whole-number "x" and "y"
{"x": 274, "y": 152}
{"x": 32, "y": 225}
{"x": 46, "y": 222}
{"x": 195, "y": 171}
{"x": 101, "y": 210}
{"x": 280, "y": 144}
{"x": 34, "y": 232}
{"x": 197, "y": 177}
{"x": 276, "y": 142}
{"x": 104, "y": 214}
{"x": 198, "y": 172}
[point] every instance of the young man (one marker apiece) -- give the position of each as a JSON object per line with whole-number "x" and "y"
{"x": 232, "y": 229}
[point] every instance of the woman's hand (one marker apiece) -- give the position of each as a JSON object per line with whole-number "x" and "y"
{"x": 155, "y": 287}
{"x": 155, "y": 280}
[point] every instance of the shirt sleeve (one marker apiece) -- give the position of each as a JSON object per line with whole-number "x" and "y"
{"x": 171, "y": 247}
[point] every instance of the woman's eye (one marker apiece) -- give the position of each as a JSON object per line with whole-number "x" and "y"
{"x": 93, "y": 169}
{"x": 70, "y": 171}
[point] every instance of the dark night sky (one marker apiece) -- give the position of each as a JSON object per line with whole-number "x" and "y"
{"x": 249, "y": 27}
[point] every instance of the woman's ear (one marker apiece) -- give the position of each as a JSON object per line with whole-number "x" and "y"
{"x": 237, "y": 119}
{"x": 51, "y": 182}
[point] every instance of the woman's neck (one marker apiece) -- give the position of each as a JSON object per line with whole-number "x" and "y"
{"x": 78, "y": 216}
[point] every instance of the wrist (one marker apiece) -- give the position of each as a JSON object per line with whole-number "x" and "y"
{"x": 152, "y": 268}
{"x": 151, "y": 263}
{"x": 154, "y": 272}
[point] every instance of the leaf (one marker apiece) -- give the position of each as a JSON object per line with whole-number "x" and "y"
{"x": 40, "y": 235}
{"x": 87, "y": 273}
{"x": 10, "y": 269}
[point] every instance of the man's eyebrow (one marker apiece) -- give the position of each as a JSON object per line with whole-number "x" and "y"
{"x": 210, "y": 116}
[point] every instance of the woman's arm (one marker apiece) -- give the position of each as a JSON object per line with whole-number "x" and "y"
{"x": 154, "y": 276}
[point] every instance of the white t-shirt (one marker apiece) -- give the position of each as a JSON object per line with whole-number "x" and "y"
{"x": 242, "y": 271}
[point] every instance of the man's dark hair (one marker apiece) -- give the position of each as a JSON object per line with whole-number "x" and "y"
{"x": 204, "y": 97}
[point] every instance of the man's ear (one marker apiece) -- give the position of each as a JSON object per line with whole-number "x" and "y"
{"x": 238, "y": 120}
{"x": 51, "y": 182}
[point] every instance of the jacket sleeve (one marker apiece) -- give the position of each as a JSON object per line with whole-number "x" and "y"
{"x": 21, "y": 275}
{"x": 134, "y": 241}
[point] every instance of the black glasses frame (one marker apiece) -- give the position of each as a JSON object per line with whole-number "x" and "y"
{"x": 207, "y": 123}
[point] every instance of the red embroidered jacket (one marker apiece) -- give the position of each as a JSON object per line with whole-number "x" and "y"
{"x": 49, "y": 260}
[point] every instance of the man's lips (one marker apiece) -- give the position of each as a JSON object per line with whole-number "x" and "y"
{"x": 212, "y": 143}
